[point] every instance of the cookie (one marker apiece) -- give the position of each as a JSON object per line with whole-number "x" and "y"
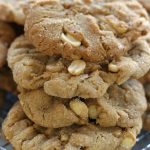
{"x": 12, "y": 11}
{"x": 90, "y": 30}
{"x": 6, "y": 80}
{"x": 146, "y": 4}
{"x": 66, "y": 79}
{"x": 120, "y": 106}
{"x": 23, "y": 134}
{"x": 7, "y": 35}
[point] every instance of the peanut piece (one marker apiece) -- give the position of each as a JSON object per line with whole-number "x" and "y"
{"x": 113, "y": 68}
{"x": 70, "y": 39}
{"x": 64, "y": 137}
{"x": 120, "y": 26}
{"x": 129, "y": 140}
{"x": 77, "y": 67}
{"x": 93, "y": 113}
{"x": 80, "y": 108}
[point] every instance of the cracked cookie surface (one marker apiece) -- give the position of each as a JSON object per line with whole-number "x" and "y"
{"x": 23, "y": 134}
{"x": 95, "y": 31}
{"x": 32, "y": 70}
{"x": 120, "y": 106}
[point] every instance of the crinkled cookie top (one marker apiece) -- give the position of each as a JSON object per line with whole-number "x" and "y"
{"x": 23, "y": 134}
{"x": 95, "y": 31}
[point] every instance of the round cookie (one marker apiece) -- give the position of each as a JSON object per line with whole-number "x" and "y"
{"x": 120, "y": 106}
{"x": 7, "y": 35}
{"x": 6, "y": 80}
{"x": 95, "y": 31}
{"x": 66, "y": 79}
{"x": 23, "y": 134}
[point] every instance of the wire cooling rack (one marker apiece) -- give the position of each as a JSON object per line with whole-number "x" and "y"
{"x": 143, "y": 140}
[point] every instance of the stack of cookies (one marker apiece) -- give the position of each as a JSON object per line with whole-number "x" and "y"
{"x": 76, "y": 68}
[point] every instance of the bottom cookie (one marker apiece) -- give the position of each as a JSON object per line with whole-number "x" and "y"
{"x": 23, "y": 134}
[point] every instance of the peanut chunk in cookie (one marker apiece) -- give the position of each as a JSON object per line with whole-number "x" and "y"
{"x": 113, "y": 67}
{"x": 93, "y": 113}
{"x": 80, "y": 108}
{"x": 129, "y": 139}
{"x": 70, "y": 39}
{"x": 77, "y": 67}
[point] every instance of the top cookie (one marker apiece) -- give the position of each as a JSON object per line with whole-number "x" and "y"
{"x": 91, "y": 30}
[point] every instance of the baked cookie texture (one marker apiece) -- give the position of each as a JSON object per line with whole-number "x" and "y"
{"x": 66, "y": 79}
{"x": 7, "y": 35}
{"x": 6, "y": 80}
{"x": 95, "y": 31}
{"x": 146, "y": 4}
{"x": 121, "y": 106}
{"x": 23, "y": 134}
{"x": 12, "y": 11}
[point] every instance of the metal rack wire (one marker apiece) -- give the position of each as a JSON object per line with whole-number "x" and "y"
{"x": 143, "y": 140}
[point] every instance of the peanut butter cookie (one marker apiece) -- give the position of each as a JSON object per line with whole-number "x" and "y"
{"x": 23, "y": 134}
{"x": 66, "y": 79}
{"x": 120, "y": 106}
{"x": 95, "y": 31}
